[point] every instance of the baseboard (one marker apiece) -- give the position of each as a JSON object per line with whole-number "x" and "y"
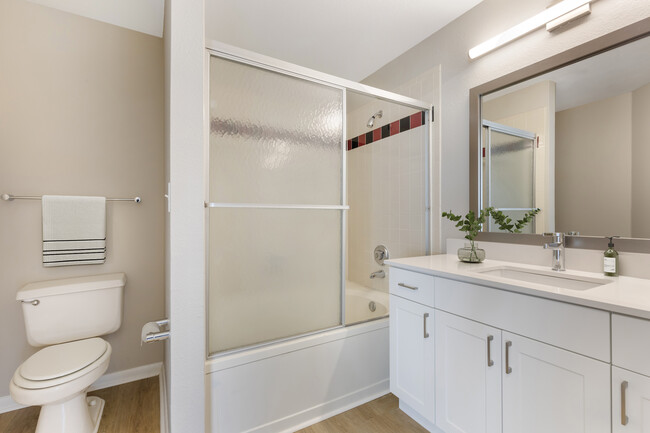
{"x": 164, "y": 417}
{"x": 326, "y": 410}
{"x": 7, "y": 404}
{"x": 126, "y": 376}
{"x": 418, "y": 418}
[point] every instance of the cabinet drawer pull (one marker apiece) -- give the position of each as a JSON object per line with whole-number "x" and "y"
{"x": 406, "y": 286}
{"x": 489, "y": 355}
{"x": 426, "y": 334}
{"x": 508, "y": 369}
{"x": 624, "y": 418}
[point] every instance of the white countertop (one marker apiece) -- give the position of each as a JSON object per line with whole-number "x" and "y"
{"x": 625, "y": 295}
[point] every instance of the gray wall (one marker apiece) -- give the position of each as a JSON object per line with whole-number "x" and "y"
{"x": 81, "y": 113}
{"x": 449, "y": 47}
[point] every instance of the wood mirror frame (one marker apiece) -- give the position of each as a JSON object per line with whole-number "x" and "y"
{"x": 594, "y": 47}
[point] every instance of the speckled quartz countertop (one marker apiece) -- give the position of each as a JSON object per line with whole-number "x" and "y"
{"x": 625, "y": 295}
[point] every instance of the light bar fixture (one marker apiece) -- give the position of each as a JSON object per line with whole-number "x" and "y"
{"x": 552, "y": 13}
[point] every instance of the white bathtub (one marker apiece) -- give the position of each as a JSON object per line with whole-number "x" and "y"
{"x": 291, "y": 384}
{"x": 363, "y": 304}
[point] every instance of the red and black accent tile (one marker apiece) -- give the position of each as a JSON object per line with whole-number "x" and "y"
{"x": 402, "y": 125}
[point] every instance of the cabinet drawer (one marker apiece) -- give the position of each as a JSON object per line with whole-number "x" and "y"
{"x": 630, "y": 343}
{"x": 412, "y": 285}
{"x": 579, "y": 329}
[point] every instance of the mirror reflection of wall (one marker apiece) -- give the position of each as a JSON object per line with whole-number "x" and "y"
{"x": 590, "y": 156}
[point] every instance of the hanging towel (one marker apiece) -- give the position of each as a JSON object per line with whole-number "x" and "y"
{"x": 74, "y": 230}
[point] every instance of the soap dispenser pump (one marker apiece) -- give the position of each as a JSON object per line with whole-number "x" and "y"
{"x": 610, "y": 260}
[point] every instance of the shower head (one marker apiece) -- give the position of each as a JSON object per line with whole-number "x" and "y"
{"x": 377, "y": 115}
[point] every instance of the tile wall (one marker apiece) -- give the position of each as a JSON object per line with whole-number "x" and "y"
{"x": 386, "y": 188}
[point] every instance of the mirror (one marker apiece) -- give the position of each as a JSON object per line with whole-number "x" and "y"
{"x": 573, "y": 141}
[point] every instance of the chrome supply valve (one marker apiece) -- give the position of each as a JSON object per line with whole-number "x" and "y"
{"x": 557, "y": 246}
{"x": 378, "y": 274}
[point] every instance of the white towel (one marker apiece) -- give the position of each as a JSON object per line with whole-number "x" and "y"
{"x": 74, "y": 230}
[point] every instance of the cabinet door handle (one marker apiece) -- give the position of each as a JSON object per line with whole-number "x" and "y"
{"x": 426, "y": 334}
{"x": 624, "y": 418}
{"x": 489, "y": 355}
{"x": 508, "y": 369}
{"x": 406, "y": 286}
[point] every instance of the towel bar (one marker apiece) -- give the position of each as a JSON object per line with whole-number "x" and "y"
{"x": 9, "y": 197}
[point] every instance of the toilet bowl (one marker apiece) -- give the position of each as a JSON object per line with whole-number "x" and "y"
{"x": 67, "y": 316}
{"x": 57, "y": 379}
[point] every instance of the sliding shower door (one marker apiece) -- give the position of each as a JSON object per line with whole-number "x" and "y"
{"x": 277, "y": 203}
{"x": 508, "y": 171}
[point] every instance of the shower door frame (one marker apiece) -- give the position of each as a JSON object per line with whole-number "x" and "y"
{"x": 228, "y": 52}
{"x": 490, "y": 126}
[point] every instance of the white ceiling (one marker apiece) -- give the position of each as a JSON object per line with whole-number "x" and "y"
{"x": 350, "y": 39}
{"x": 611, "y": 73}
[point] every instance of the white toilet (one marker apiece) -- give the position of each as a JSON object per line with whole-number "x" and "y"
{"x": 67, "y": 316}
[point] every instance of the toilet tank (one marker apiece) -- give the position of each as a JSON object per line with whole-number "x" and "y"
{"x": 71, "y": 309}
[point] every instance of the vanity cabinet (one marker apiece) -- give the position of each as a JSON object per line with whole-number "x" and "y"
{"x": 468, "y": 375}
{"x": 504, "y": 362}
{"x": 630, "y": 402}
{"x": 630, "y": 371}
{"x": 411, "y": 355}
{"x": 547, "y": 389}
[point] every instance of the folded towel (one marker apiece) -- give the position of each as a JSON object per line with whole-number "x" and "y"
{"x": 74, "y": 230}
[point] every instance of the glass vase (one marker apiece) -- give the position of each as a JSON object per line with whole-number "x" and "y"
{"x": 470, "y": 253}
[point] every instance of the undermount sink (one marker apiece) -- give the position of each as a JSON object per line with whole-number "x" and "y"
{"x": 547, "y": 278}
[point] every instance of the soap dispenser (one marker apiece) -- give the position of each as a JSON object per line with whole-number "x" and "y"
{"x": 610, "y": 261}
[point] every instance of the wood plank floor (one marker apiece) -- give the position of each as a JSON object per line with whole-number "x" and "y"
{"x": 130, "y": 408}
{"x": 378, "y": 416}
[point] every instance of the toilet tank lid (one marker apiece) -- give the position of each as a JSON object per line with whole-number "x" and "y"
{"x": 70, "y": 285}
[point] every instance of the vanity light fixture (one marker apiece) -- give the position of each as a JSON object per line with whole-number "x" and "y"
{"x": 551, "y": 15}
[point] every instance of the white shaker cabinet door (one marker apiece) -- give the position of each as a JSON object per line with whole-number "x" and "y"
{"x": 468, "y": 375}
{"x": 630, "y": 402}
{"x": 411, "y": 355}
{"x": 547, "y": 389}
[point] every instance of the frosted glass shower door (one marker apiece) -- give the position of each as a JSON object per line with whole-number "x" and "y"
{"x": 276, "y": 212}
{"x": 509, "y": 171}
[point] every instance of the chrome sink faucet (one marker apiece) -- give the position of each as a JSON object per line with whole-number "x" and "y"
{"x": 558, "y": 250}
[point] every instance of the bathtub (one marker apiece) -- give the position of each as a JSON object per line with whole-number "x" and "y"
{"x": 288, "y": 385}
{"x": 363, "y": 304}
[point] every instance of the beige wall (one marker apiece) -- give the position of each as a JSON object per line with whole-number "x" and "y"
{"x": 640, "y": 158}
{"x": 593, "y": 167}
{"x": 81, "y": 113}
{"x": 528, "y": 109}
{"x": 448, "y": 48}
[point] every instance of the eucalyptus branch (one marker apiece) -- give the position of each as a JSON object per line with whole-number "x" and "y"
{"x": 471, "y": 224}
{"x": 507, "y": 224}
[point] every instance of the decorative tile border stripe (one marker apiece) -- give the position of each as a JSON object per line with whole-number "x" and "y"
{"x": 394, "y": 128}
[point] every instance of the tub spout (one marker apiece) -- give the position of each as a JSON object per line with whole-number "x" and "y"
{"x": 378, "y": 274}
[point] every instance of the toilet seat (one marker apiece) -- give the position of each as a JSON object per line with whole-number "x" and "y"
{"x": 62, "y": 359}
{"x": 62, "y": 363}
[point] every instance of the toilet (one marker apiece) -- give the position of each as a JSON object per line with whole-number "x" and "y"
{"x": 67, "y": 317}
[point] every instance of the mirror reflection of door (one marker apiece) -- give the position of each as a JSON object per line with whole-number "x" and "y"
{"x": 508, "y": 171}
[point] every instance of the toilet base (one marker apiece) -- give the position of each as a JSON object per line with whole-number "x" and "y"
{"x": 80, "y": 414}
